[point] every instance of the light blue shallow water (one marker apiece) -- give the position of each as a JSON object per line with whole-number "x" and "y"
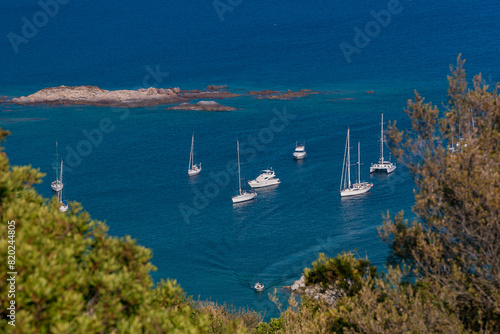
{"x": 135, "y": 178}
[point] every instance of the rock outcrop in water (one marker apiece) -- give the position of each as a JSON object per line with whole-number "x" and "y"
{"x": 331, "y": 295}
{"x": 288, "y": 95}
{"x": 211, "y": 92}
{"x": 92, "y": 95}
{"x": 263, "y": 92}
{"x": 202, "y": 105}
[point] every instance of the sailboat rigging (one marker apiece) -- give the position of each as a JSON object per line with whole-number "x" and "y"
{"x": 194, "y": 169}
{"x": 346, "y": 188}
{"x": 382, "y": 165}
{"x": 243, "y": 195}
{"x": 57, "y": 185}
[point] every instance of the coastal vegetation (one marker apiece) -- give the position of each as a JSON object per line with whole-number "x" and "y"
{"x": 443, "y": 269}
{"x": 442, "y": 274}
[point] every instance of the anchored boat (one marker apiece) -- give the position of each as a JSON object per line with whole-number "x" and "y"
{"x": 382, "y": 165}
{"x": 244, "y": 195}
{"x": 266, "y": 178}
{"x": 194, "y": 169}
{"x": 300, "y": 151}
{"x": 346, "y": 188}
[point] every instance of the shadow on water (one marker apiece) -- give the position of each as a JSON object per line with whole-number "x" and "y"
{"x": 193, "y": 179}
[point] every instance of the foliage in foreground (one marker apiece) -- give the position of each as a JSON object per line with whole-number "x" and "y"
{"x": 444, "y": 267}
{"x": 72, "y": 277}
{"x": 344, "y": 271}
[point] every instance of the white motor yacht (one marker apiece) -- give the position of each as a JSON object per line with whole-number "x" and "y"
{"x": 300, "y": 151}
{"x": 266, "y": 178}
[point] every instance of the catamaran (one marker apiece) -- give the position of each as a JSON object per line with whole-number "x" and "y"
{"x": 346, "y": 188}
{"x": 194, "y": 169}
{"x": 266, "y": 178}
{"x": 57, "y": 185}
{"x": 382, "y": 165}
{"x": 300, "y": 151}
{"x": 244, "y": 195}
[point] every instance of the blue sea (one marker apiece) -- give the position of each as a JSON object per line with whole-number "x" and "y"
{"x": 128, "y": 166}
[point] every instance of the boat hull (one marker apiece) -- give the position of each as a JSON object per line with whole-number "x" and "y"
{"x": 243, "y": 197}
{"x": 57, "y": 186}
{"x": 384, "y": 168}
{"x": 356, "y": 189}
{"x": 259, "y": 288}
{"x": 299, "y": 155}
{"x": 256, "y": 184}
{"x": 194, "y": 171}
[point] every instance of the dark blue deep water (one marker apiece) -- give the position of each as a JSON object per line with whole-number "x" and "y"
{"x": 134, "y": 176}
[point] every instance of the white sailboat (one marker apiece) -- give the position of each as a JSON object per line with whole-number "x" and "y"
{"x": 57, "y": 185}
{"x": 382, "y": 165}
{"x": 64, "y": 204}
{"x": 244, "y": 195}
{"x": 300, "y": 151}
{"x": 346, "y": 188}
{"x": 194, "y": 169}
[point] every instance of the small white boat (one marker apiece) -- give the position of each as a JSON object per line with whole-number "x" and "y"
{"x": 64, "y": 204}
{"x": 266, "y": 178}
{"x": 194, "y": 169}
{"x": 244, "y": 195}
{"x": 258, "y": 287}
{"x": 57, "y": 185}
{"x": 382, "y": 165}
{"x": 300, "y": 151}
{"x": 346, "y": 188}
{"x": 454, "y": 148}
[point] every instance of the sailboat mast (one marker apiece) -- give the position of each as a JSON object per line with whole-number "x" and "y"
{"x": 382, "y": 139}
{"x": 344, "y": 171}
{"x": 348, "y": 159}
{"x": 239, "y": 173}
{"x": 359, "y": 165}
{"x": 191, "y": 162}
{"x": 61, "y": 170}
{"x": 57, "y": 161}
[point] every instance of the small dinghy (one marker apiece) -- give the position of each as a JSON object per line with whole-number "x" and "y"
{"x": 258, "y": 287}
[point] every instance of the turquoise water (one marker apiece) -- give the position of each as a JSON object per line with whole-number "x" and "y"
{"x": 134, "y": 175}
